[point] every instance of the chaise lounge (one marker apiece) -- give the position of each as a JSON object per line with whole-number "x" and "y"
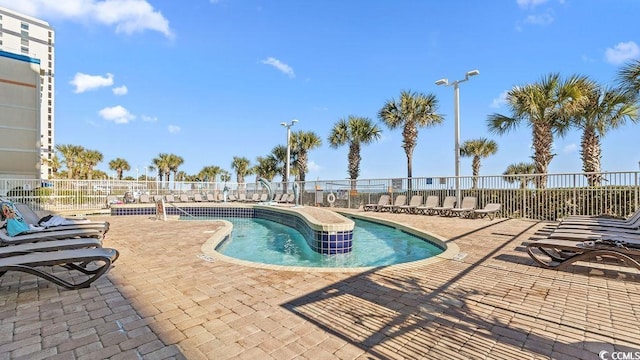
{"x": 71, "y": 259}
{"x": 382, "y": 201}
{"x": 559, "y": 254}
{"x": 490, "y": 210}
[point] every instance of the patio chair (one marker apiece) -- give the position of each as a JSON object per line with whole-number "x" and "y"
{"x": 277, "y": 197}
{"x": 52, "y": 245}
{"x": 430, "y": 203}
{"x": 602, "y": 219}
{"x": 448, "y": 204}
{"x": 197, "y": 197}
{"x": 255, "y": 197}
{"x": 466, "y": 208}
{"x": 632, "y": 224}
{"x": 70, "y": 259}
{"x": 144, "y": 199}
{"x": 415, "y": 201}
{"x": 211, "y": 197}
{"x": 559, "y": 254}
{"x": 36, "y": 236}
{"x": 242, "y": 197}
{"x": 157, "y": 198}
{"x": 232, "y": 198}
{"x": 385, "y": 199}
{"x": 264, "y": 197}
{"x": 399, "y": 201}
{"x": 169, "y": 198}
{"x": 56, "y": 222}
{"x": 490, "y": 210}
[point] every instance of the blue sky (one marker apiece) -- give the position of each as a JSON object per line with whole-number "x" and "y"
{"x": 211, "y": 79}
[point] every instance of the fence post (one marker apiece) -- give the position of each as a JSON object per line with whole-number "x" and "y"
{"x": 575, "y": 195}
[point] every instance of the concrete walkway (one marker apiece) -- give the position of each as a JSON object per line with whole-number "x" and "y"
{"x": 165, "y": 300}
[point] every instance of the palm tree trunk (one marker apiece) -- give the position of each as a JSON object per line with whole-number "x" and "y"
{"x": 591, "y": 155}
{"x": 475, "y": 165}
{"x": 542, "y": 143}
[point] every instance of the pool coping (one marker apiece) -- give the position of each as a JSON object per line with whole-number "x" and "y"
{"x": 208, "y": 249}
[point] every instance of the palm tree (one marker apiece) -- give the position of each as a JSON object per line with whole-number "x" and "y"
{"x": 519, "y": 173}
{"x": 279, "y": 157}
{"x": 411, "y": 111}
{"x": 629, "y": 78}
{"x": 161, "y": 163}
{"x": 54, "y": 164}
{"x": 209, "y": 173}
{"x": 91, "y": 159}
{"x": 547, "y": 106}
{"x": 242, "y": 167}
{"x": 478, "y": 148}
{"x": 354, "y": 131}
{"x": 607, "y": 109}
{"x": 174, "y": 163}
{"x": 303, "y": 141}
{"x": 266, "y": 167}
{"x": 71, "y": 155}
{"x": 119, "y": 165}
{"x": 225, "y": 176}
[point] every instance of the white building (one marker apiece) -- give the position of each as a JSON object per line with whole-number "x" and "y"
{"x": 33, "y": 38}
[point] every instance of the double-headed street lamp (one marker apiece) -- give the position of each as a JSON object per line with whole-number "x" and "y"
{"x": 288, "y": 126}
{"x": 456, "y": 112}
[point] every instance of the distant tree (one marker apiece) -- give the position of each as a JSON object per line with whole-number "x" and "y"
{"x": 279, "y": 157}
{"x": 266, "y": 167}
{"x": 547, "y": 107}
{"x": 71, "y": 155}
{"x": 629, "y": 78}
{"x": 607, "y": 109}
{"x": 242, "y": 167}
{"x": 477, "y": 149}
{"x": 303, "y": 141}
{"x": 209, "y": 173}
{"x": 411, "y": 111}
{"x": 354, "y": 131}
{"x": 87, "y": 161}
{"x": 54, "y": 165}
{"x": 119, "y": 165}
{"x": 225, "y": 176}
{"x": 161, "y": 163}
{"x": 519, "y": 172}
{"x": 174, "y": 163}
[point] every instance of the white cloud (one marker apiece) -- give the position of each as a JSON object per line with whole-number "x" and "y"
{"x": 121, "y": 90}
{"x": 500, "y": 100}
{"x": 128, "y": 16}
{"x": 312, "y": 166}
{"x": 571, "y": 148}
{"x": 540, "y": 19}
{"x": 85, "y": 82}
{"x": 117, "y": 114}
{"x": 622, "y": 52}
{"x": 147, "y": 118}
{"x": 526, "y": 4}
{"x": 173, "y": 129}
{"x": 284, "y": 68}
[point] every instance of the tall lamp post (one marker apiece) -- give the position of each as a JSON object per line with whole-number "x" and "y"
{"x": 288, "y": 126}
{"x": 456, "y": 113}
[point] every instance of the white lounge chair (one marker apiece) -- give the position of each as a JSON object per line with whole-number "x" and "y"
{"x": 466, "y": 207}
{"x": 399, "y": 201}
{"x": 490, "y": 210}
{"x": 415, "y": 201}
{"x": 430, "y": 203}
{"x": 384, "y": 199}
{"x": 448, "y": 204}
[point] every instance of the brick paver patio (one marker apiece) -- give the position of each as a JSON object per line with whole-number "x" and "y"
{"x": 164, "y": 300}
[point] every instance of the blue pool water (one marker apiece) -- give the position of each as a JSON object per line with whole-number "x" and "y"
{"x": 268, "y": 242}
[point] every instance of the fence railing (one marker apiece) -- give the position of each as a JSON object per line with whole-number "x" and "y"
{"x": 562, "y": 194}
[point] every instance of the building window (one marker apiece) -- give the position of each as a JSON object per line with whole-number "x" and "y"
{"x": 24, "y": 26}
{"x": 24, "y": 42}
{"x": 24, "y": 49}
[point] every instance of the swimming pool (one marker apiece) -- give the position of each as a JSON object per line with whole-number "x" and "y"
{"x": 268, "y": 242}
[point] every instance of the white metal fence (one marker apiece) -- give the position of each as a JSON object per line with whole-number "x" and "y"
{"x": 564, "y": 194}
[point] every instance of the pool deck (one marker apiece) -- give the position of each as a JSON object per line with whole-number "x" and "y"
{"x": 164, "y": 299}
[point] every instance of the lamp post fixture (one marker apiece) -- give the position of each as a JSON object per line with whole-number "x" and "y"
{"x": 456, "y": 113}
{"x": 288, "y": 160}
